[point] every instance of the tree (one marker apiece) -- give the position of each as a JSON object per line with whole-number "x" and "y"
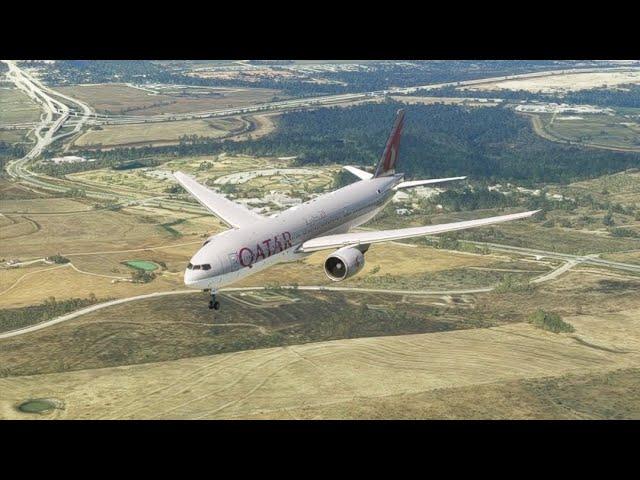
{"x": 608, "y": 219}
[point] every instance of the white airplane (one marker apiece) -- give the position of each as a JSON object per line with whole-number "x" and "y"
{"x": 255, "y": 242}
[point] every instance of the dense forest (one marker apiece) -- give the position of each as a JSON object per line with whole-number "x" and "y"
{"x": 489, "y": 143}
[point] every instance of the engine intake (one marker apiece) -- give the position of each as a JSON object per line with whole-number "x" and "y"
{"x": 344, "y": 263}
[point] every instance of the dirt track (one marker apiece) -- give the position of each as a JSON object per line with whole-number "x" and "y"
{"x": 279, "y": 382}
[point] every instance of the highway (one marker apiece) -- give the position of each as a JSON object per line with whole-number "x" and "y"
{"x": 54, "y": 118}
{"x": 93, "y": 118}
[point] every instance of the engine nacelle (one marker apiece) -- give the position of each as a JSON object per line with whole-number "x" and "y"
{"x": 344, "y": 263}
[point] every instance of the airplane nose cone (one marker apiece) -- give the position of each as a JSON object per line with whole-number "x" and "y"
{"x": 200, "y": 279}
{"x": 188, "y": 277}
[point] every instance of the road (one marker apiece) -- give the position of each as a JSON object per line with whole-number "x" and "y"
{"x": 67, "y": 117}
{"x": 588, "y": 259}
{"x": 56, "y": 114}
{"x": 383, "y": 291}
{"x": 99, "y": 306}
{"x": 93, "y": 118}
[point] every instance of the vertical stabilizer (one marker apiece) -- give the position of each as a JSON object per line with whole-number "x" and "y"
{"x": 387, "y": 163}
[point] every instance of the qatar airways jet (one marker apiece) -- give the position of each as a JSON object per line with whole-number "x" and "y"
{"x": 255, "y": 242}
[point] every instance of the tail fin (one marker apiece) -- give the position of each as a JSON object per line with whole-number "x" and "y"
{"x": 387, "y": 163}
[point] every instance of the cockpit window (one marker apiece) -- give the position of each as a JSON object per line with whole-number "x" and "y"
{"x": 205, "y": 242}
{"x": 204, "y": 266}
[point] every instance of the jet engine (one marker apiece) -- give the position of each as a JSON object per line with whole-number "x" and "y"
{"x": 344, "y": 263}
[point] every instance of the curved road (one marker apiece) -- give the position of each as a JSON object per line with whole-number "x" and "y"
{"x": 99, "y": 306}
{"x": 93, "y": 308}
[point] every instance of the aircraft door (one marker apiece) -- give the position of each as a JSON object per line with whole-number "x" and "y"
{"x": 232, "y": 265}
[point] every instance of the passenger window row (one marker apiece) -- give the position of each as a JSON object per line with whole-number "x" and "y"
{"x": 204, "y": 266}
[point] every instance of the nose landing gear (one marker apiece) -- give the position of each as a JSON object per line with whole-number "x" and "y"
{"x": 213, "y": 303}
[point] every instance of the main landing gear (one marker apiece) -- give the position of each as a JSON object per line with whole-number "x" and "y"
{"x": 213, "y": 303}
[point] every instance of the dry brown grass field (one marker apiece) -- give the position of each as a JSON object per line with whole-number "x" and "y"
{"x": 17, "y": 107}
{"x": 88, "y": 231}
{"x": 119, "y": 98}
{"x": 387, "y": 377}
{"x": 158, "y": 133}
{"x": 15, "y": 191}
{"x": 626, "y": 257}
{"x": 14, "y": 136}
{"x": 564, "y": 81}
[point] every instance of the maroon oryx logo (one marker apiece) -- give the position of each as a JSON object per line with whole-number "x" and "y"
{"x": 248, "y": 256}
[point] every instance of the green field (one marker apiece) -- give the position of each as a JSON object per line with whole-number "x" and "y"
{"x": 612, "y": 131}
{"x": 39, "y": 405}
{"x": 143, "y": 265}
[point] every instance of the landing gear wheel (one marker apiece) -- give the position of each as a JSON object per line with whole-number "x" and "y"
{"x": 213, "y": 303}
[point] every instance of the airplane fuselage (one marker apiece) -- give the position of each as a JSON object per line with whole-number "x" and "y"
{"x": 235, "y": 254}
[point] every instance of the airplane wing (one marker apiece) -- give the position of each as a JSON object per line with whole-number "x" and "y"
{"x": 365, "y": 238}
{"x": 233, "y": 214}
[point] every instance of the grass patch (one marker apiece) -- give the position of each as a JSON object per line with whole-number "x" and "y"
{"x": 142, "y": 265}
{"x": 551, "y": 322}
{"x": 168, "y": 227}
{"x": 37, "y": 405}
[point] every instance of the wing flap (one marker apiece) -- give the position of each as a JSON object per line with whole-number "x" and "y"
{"x": 362, "y": 238}
{"x": 233, "y": 214}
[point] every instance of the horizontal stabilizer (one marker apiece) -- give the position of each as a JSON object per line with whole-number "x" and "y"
{"x": 365, "y": 238}
{"x": 358, "y": 173}
{"x": 417, "y": 183}
{"x": 233, "y": 214}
